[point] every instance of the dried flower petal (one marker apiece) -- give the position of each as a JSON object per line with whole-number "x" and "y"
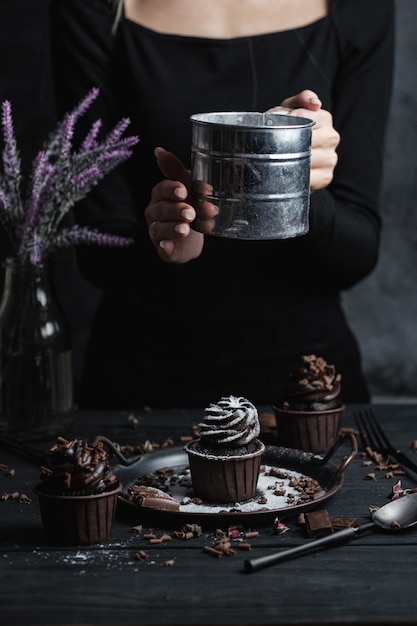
{"x": 279, "y": 527}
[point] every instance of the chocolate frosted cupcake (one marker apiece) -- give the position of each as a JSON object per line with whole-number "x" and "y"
{"x": 225, "y": 461}
{"x": 308, "y": 417}
{"x": 77, "y": 493}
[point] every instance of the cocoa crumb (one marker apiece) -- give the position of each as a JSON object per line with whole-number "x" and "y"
{"x": 195, "y": 529}
{"x": 133, "y": 421}
{"x": 225, "y": 547}
{"x": 137, "y": 529}
{"x": 213, "y": 552}
{"x": 141, "y": 555}
{"x": 181, "y": 534}
{"x": 169, "y": 563}
{"x": 164, "y": 470}
{"x": 188, "y": 535}
{"x": 149, "y": 536}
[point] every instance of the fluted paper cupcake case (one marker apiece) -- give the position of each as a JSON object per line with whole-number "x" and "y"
{"x": 224, "y": 479}
{"x": 309, "y": 431}
{"x": 78, "y": 519}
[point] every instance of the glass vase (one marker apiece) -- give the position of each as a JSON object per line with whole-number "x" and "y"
{"x": 36, "y": 379}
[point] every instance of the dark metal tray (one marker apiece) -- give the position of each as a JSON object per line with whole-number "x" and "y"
{"x": 329, "y": 476}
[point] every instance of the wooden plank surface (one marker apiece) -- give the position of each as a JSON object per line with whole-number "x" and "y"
{"x": 371, "y": 580}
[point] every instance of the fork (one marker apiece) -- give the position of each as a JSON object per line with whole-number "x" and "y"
{"x": 374, "y": 439}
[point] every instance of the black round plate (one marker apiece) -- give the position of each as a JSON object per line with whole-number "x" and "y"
{"x": 328, "y": 476}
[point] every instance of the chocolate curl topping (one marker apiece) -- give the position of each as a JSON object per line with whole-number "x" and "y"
{"x": 77, "y": 466}
{"x": 314, "y": 380}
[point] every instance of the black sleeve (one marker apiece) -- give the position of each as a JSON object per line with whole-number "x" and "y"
{"x": 345, "y": 221}
{"x": 82, "y": 52}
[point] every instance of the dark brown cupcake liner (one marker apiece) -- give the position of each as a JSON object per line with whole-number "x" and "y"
{"x": 224, "y": 479}
{"x": 78, "y": 519}
{"x": 309, "y": 431}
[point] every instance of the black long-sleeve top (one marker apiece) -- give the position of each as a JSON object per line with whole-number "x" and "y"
{"x": 233, "y": 320}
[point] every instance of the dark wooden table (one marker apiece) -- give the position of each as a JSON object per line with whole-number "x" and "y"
{"x": 370, "y": 580}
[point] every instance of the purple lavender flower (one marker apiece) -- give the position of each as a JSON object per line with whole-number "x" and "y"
{"x": 117, "y": 132}
{"x": 90, "y": 142}
{"x": 61, "y": 176}
{"x": 84, "y": 235}
{"x": 42, "y": 172}
{"x": 87, "y": 176}
{"x": 11, "y": 175}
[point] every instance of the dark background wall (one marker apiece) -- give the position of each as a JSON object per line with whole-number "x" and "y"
{"x": 382, "y": 309}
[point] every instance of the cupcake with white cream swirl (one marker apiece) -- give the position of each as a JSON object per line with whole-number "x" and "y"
{"x": 232, "y": 422}
{"x": 225, "y": 460}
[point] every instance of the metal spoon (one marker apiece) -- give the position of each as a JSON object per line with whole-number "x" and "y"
{"x": 397, "y": 515}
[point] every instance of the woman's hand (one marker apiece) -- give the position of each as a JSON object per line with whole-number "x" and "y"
{"x": 169, "y": 215}
{"x": 325, "y": 138}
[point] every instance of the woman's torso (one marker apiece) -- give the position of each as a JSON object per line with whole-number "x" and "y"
{"x": 165, "y": 79}
{"x": 243, "y": 308}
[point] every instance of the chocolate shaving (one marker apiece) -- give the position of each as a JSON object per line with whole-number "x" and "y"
{"x": 152, "y": 498}
{"x": 213, "y": 552}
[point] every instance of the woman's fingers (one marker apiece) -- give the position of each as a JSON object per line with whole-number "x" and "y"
{"x": 172, "y": 167}
{"x": 325, "y": 138}
{"x": 306, "y": 99}
{"x": 169, "y": 215}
